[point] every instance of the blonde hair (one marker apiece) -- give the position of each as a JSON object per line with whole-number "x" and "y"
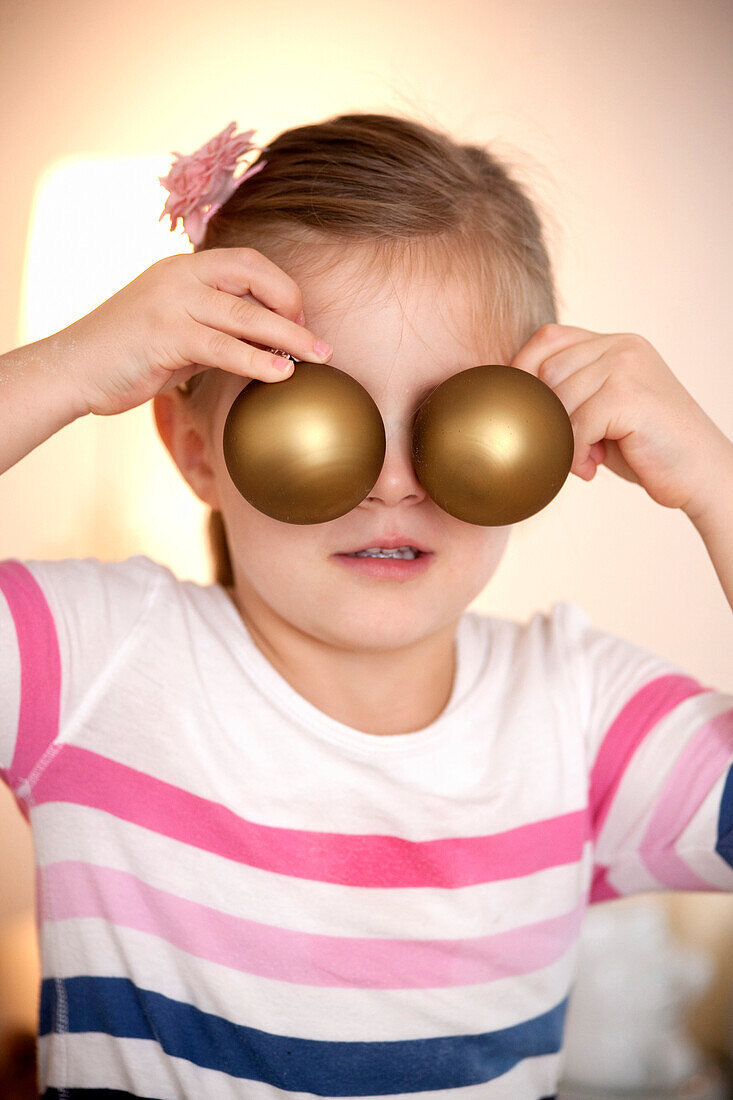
{"x": 416, "y": 199}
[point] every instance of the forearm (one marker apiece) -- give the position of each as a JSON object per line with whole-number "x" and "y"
{"x": 713, "y": 518}
{"x": 35, "y": 400}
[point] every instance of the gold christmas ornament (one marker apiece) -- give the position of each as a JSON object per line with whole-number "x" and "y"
{"x": 307, "y": 449}
{"x": 491, "y": 445}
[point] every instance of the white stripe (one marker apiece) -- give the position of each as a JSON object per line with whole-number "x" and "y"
{"x": 629, "y": 875}
{"x": 90, "y": 946}
{"x": 9, "y": 684}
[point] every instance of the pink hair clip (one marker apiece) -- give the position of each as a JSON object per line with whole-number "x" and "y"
{"x": 206, "y": 179}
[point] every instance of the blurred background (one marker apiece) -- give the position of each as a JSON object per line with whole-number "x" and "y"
{"x": 616, "y": 115}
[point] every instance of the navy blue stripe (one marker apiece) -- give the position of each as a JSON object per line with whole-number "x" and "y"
{"x": 115, "y": 1006}
{"x": 92, "y": 1094}
{"x": 116, "y": 1094}
{"x": 724, "y": 846}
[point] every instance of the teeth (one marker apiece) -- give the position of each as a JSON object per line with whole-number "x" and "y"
{"x": 405, "y": 552}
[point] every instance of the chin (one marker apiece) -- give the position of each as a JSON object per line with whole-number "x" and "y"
{"x": 369, "y": 629}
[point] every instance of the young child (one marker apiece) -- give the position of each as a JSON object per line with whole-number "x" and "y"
{"x": 308, "y": 830}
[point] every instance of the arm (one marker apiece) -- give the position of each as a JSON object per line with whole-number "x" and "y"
{"x": 36, "y": 400}
{"x": 713, "y": 517}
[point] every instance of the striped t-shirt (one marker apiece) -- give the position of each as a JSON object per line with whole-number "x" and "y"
{"x": 239, "y": 896}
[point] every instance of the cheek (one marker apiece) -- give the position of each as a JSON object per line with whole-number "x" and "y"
{"x": 488, "y": 549}
{"x": 499, "y": 540}
{"x": 264, "y": 548}
{"x": 250, "y": 532}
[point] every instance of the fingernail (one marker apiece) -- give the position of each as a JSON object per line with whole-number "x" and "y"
{"x": 322, "y": 349}
{"x": 282, "y": 364}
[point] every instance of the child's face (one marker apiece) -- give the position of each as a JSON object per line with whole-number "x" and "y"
{"x": 399, "y": 343}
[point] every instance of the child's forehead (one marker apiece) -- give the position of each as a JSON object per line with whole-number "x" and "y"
{"x": 344, "y": 285}
{"x": 425, "y": 290}
{"x": 418, "y": 326}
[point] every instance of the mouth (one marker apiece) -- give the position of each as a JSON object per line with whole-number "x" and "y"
{"x": 407, "y": 562}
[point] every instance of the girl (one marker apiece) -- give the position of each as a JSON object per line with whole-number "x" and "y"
{"x": 314, "y": 830}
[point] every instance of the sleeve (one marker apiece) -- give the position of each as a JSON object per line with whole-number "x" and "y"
{"x": 660, "y": 768}
{"x": 62, "y": 623}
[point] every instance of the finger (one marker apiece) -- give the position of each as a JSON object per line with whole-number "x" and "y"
{"x": 210, "y": 347}
{"x": 241, "y": 270}
{"x": 580, "y": 385}
{"x": 246, "y": 319}
{"x": 565, "y": 364}
{"x": 547, "y": 340}
{"x": 614, "y": 459}
{"x": 593, "y": 421}
{"x": 576, "y": 391}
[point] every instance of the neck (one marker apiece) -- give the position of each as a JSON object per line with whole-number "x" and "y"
{"x": 381, "y": 692}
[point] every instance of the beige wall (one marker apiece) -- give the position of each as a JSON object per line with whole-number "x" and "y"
{"x": 617, "y": 115}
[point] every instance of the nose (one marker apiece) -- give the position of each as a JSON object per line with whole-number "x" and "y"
{"x": 397, "y": 479}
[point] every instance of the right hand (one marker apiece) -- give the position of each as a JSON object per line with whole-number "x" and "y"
{"x": 182, "y": 315}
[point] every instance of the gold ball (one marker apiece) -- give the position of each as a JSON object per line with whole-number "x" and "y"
{"x": 307, "y": 449}
{"x": 492, "y": 445}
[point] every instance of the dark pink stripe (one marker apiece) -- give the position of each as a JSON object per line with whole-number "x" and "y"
{"x": 40, "y": 669}
{"x": 601, "y": 889}
{"x": 303, "y": 958}
{"x": 626, "y": 733}
{"x": 86, "y": 778}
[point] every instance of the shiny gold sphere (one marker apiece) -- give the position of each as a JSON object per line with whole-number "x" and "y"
{"x": 492, "y": 445}
{"x": 307, "y": 449}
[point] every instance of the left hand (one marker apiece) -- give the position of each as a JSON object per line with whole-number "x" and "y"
{"x": 628, "y": 411}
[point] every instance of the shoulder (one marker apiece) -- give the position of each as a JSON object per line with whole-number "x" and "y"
{"x": 560, "y": 627}
{"x": 79, "y": 601}
{"x": 127, "y": 572}
{"x": 565, "y": 637}
{"x": 80, "y": 579}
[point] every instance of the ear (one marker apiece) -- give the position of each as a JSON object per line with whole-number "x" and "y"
{"x": 188, "y": 444}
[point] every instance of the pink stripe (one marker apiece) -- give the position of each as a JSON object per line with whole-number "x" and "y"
{"x": 86, "y": 778}
{"x": 626, "y": 733}
{"x": 40, "y": 669}
{"x": 705, "y": 759}
{"x": 302, "y": 958}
